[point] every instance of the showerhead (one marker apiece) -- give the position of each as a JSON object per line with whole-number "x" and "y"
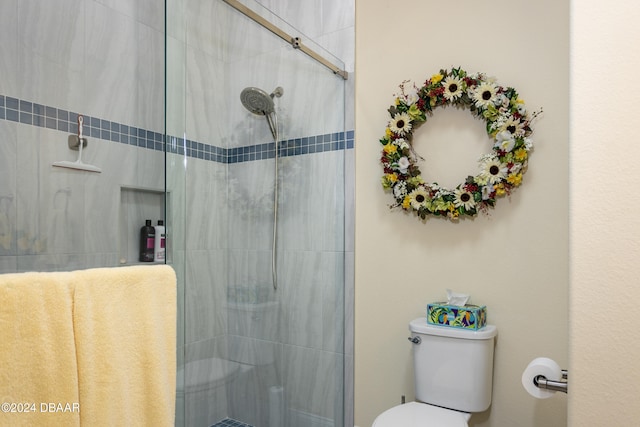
{"x": 258, "y": 101}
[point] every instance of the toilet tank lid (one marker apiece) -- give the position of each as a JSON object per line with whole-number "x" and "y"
{"x": 421, "y": 326}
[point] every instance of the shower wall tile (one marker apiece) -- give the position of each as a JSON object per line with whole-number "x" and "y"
{"x": 9, "y": 47}
{"x": 176, "y": 25}
{"x": 8, "y": 264}
{"x": 177, "y": 260}
{"x": 149, "y": 168}
{"x": 314, "y": 391}
{"x": 175, "y": 91}
{"x": 50, "y": 54}
{"x": 337, "y": 16}
{"x": 103, "y": 192}
{"x": 297, "y": 14}
{"x": 53, "y": 30}
{"x": 242, "y": 37}
{"x": 312, "y": 200}
{"x": 300, "y": 116}
{"x": 249, "y": 278}
{"x": 149, "y": 73}
{"x": 302, "y": 287}
{"x": 254, "y": 352}
{"x": 150, "y": 13}
{"x": 51, "y": 262}
{"x": 100, "y": 260}
{"x": 176, "y": 206}
{"x": 250, "y": 199}
{"x": 50, "y": 203}
{"x": 204, "y": 84}
{"x": 125, "y": 7}
{"x": 204, "y": 24}
{"x": 335, "y": 42}
{"x": 205, "y": 295}
{"x": 36, "y": 76}
{"x": 333, "y": 302}
{"x": 111, "y": 64}
{"x": 205, "y": 201}
{"x": 204, "y": 405}
{"x": 8, "y": 189}
{"x": 249, "y": 395}
{"x": 216, "y": 347}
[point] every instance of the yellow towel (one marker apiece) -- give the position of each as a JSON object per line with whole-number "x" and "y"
{"x": 38, "y": 371}
{"x": 125, "y": 327}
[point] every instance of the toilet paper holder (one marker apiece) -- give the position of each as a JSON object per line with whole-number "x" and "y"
{"x": 542, "y": 382}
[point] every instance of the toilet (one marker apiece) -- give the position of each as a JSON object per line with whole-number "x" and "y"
{"x": 453, "y": 370}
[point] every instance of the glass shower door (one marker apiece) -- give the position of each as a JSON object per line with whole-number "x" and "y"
{"x": 249, "y": 352}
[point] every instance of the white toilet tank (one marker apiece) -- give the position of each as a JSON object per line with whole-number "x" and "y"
{"x": 453, "y": 367}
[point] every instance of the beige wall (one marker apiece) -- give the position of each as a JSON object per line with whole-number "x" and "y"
{"x": 514, "y": 261}
{"x": 605, "y": 231}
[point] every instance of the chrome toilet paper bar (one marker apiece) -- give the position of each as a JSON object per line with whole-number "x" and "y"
{"x": 542, "y": 382}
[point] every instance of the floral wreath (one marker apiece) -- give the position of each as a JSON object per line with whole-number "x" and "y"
{"x": 507, "y": 123}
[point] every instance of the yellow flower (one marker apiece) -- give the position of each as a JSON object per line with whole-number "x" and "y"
{"x": 521, "y": 154}
{"x": 406, "y": 202}
{"x": 387, "y": 133}
{"x": 515, "y": 179}
{"x": 436, "y": 78}
{"x": 397, "y": 101}
{"x": 500, "y": 191}
{"x": 390, "y": 148}
{"x": 388, "y": 179}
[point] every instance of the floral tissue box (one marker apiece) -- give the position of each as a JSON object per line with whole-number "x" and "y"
{"x": 466, "y": 317}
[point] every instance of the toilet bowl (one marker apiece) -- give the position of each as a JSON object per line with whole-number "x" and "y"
{"x": 453, "y": 374}
{"x": 416, "y": 414}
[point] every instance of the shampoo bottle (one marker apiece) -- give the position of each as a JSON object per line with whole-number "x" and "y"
{"x": 160, "y": 242}
{"x": 147, "y": 242}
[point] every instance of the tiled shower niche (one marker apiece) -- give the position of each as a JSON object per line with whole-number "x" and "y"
{"x": 136, "y": 206}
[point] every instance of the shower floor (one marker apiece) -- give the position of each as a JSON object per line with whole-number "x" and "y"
{"x": 228, "y": 422}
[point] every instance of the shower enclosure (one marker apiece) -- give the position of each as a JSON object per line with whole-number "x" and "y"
{"x": 256, "y": 227}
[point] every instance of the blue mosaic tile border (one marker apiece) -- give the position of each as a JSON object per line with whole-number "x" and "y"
{"x": 30, "y": 113}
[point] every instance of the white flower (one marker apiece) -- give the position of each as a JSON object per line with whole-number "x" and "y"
{"x": 505, "y": 141}
{"x": 501, "y": 100}
{"x": 418, "y": 198}
{"x": 512, "y": 125}
{"x": 403, "y": 164}
{"x": 522, "y": 110}
{"x": 515, "y": 168}
{"x": 400, "y": 124}
{"x": 411, "y": 97}
{"x": 463, "y": 198}
{"x": 401, "y": 143}
{"x": 493, "y": 170}
{"x": 484, "y": 95}
{"x": 487, "y": 190}
{"x": 452, "y": 88}
{"x": 400, "y": 190}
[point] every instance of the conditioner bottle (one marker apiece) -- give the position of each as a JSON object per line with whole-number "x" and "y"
{"x": 159, "y": 253}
